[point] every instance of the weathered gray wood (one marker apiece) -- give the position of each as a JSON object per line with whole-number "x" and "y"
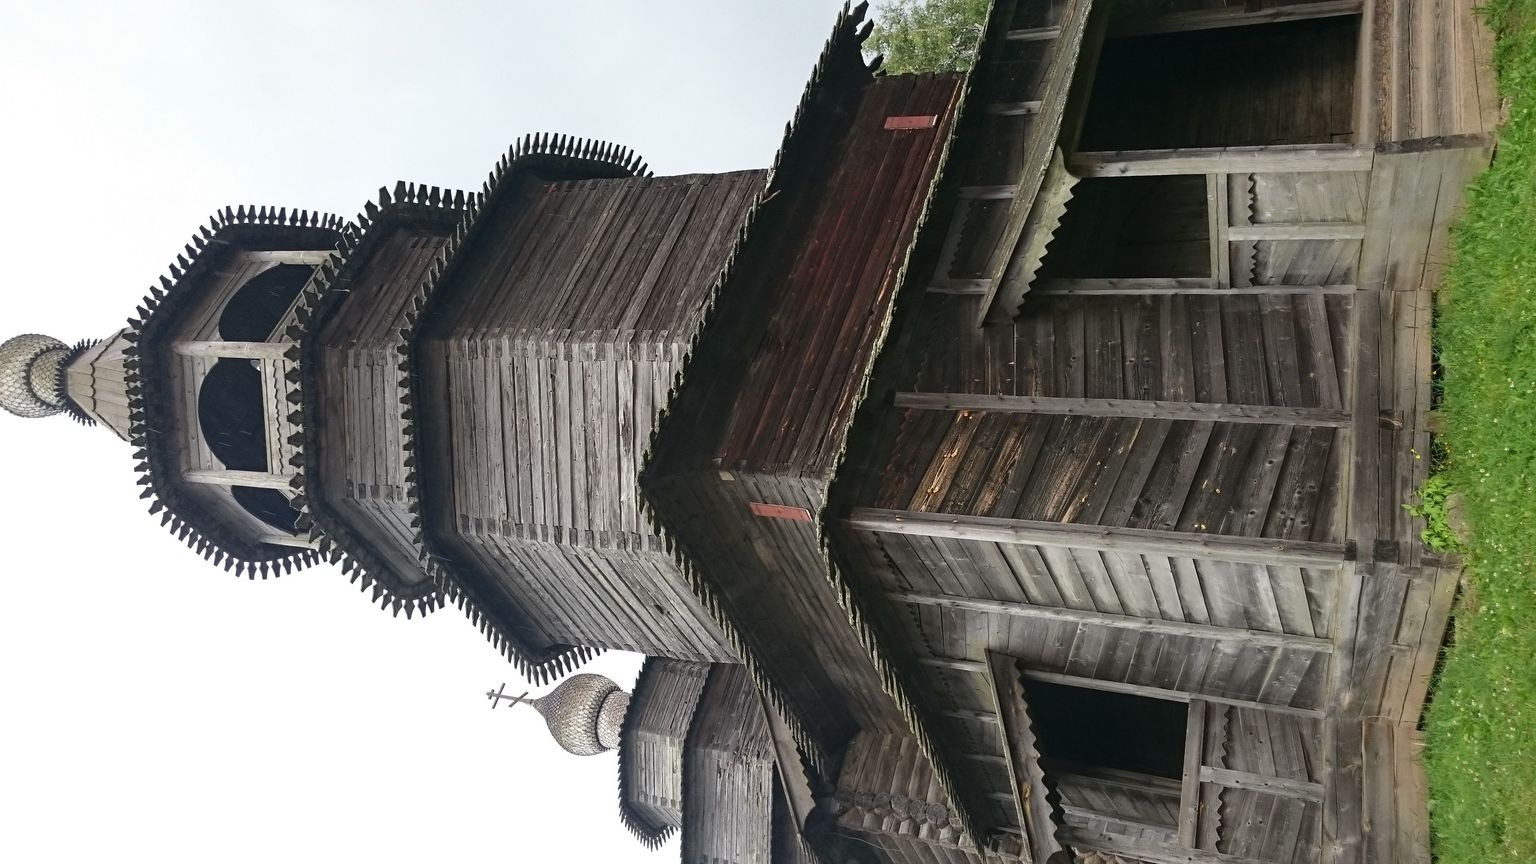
{"x": 1189, "y": 791}
{"x": 232, "y": 350}
{"x": 1258, "y": 782}
{"x": 1228, "y": 16}
{"x": 961, "y": 287}
{"x": 276, "y": 539}
{"x": 1147, "y": 409}
{"x": 1217, "y": 201}
{"x": 1221, "y": 160}
{"x": 255, "y": 479}
{"x": 1157, "y": 287}
{"x": 1159, "y": 692}
{"x": 1150, "y": 851}
{"x": 1003, "y": 675}
{"x": 1014, "y": 109}
{"x": 989, "y": 193}
{"x": 1297, "y": 231}
{"x": 313, "y": 258}
{"x": 1033, "y": 34}
{"x": 1130, "y": 622}
{"x": 1187, "y": 544}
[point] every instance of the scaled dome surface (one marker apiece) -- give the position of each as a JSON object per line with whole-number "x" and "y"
{"x": 30, "y": 366}
{"x": 584, "y": 714}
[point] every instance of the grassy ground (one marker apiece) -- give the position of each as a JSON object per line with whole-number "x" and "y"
{"x": 1482, "y": 723}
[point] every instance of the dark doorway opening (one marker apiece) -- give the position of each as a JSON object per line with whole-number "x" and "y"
{"x": 1100, "y": 729}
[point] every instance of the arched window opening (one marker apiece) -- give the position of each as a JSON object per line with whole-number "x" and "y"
{"x": 229, "y": 412}
{"x": 268, "y": 505}
{"x": 252, "y": 314}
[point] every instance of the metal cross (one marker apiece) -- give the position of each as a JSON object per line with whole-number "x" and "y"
{"x": 499, "y": 694}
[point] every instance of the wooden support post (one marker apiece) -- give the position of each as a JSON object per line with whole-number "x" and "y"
{"x": 232, "y": 350}
{"x": 1221, "y": 160}
{"x": 1002, "y": 678}
{"x": 1189, "y": 790}
{"x": 253, "y": 479}
{"x": 1260, "y": 783}
{"x": 1220, "y": 223}
{"x": 1140, "y": 540}
{"x": 1216, "y": 412}
{"x": 1129, "y": 622}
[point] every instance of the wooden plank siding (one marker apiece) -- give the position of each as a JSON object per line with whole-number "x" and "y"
{"x": 96, "y": 383}
{"x": 661, "y": 710}
{"x": 358, "y": 470}
{"x": 1155, "y": 472}
{"x": 541, "y": 380}
{"x": 1428, "y": 67}
{"x": 728, "y": 770}
{"x": 786, "y": 357}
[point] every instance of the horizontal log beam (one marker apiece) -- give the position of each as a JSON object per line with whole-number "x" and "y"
{"x": 954, "y": 664}
{"x": 1013, "y": 109}
{"x": 1150, "y": 851}
{"x": 296, "y": 256}
{"x": 1221, "y": 160}
{"x": 1152, "y": 287}
{"x": 1230, "y": 16}
{"x": 1260, "y": 783}
{"x": 1160, "y": 693}
{"x": 1216, "y": 412}
{"x": 962, "y": 287}
{"x": 254, "y": 479}
{"x": 989, "y": 193}
{"x": 1111, "y": 776}
{"x": 277, "y": 539}
{"x": 1298, "y": 231}
{"x": 1034, "y": 34}
{"x": 1257, "y": 550}
{"x": 1127, "y": 622}
{"x": 232, "y": 350}
{"x": 1084, "y": 814}
{"x": 970, "y": 714}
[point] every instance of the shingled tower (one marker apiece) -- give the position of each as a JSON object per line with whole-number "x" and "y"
{"x": 1011, "y": 472}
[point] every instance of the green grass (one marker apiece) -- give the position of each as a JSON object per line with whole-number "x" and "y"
{"x": 1481, "y": 752}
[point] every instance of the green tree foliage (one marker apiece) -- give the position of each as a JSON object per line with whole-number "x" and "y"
{"x": 928, "y": 35}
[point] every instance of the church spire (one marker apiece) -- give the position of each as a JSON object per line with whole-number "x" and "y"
{"x": 31, "y": 375}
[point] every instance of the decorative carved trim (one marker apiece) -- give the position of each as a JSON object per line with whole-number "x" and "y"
{"x": 317, "y": 302}
{"x": 148, "y": 409}
{"x": 561, "y": 154}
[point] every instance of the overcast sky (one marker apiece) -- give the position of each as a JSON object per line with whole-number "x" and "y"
{"x": 154, "y": 707}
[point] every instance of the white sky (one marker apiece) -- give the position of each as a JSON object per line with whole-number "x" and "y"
{"x": 153, "y": 707}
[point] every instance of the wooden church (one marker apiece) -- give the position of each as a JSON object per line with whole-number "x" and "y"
{"x": 1012, "y": 472}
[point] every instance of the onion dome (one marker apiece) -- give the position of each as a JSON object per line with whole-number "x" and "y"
{"x": 31, "y": 380}
{"x": 584, "y": 714}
